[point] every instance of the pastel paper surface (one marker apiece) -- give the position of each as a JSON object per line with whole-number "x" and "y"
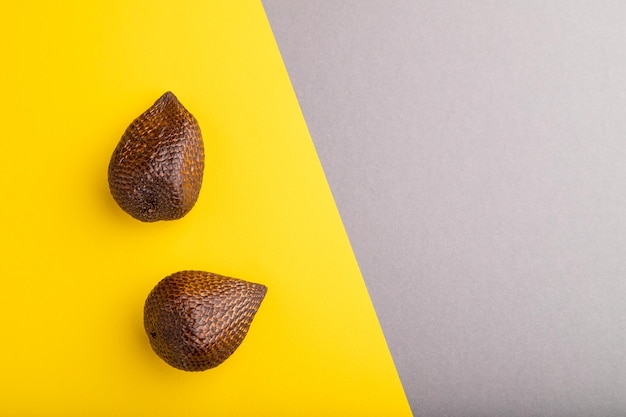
{"x": 76, "y": 269}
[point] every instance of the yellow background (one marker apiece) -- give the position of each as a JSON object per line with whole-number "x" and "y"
{"x": 76, "y": 269}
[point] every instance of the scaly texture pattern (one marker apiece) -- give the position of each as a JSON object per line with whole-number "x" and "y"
{"x": 156, "y": 169}
{"x": 195, "y": 320}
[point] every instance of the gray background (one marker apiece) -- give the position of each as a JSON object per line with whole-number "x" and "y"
{"x": 476, "y": 152}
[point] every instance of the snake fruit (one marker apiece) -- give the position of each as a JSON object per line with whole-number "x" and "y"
{"x": 195, "y": 320}
{"x": 155, "y": 172}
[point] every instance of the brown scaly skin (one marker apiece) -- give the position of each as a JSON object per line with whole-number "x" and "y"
{"x": 155, "y": 172}
{"x": 195, "y": 320}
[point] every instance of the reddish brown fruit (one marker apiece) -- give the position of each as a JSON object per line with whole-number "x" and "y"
{"x": 195, "y": 320}
{"x": 155, "y": 172}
